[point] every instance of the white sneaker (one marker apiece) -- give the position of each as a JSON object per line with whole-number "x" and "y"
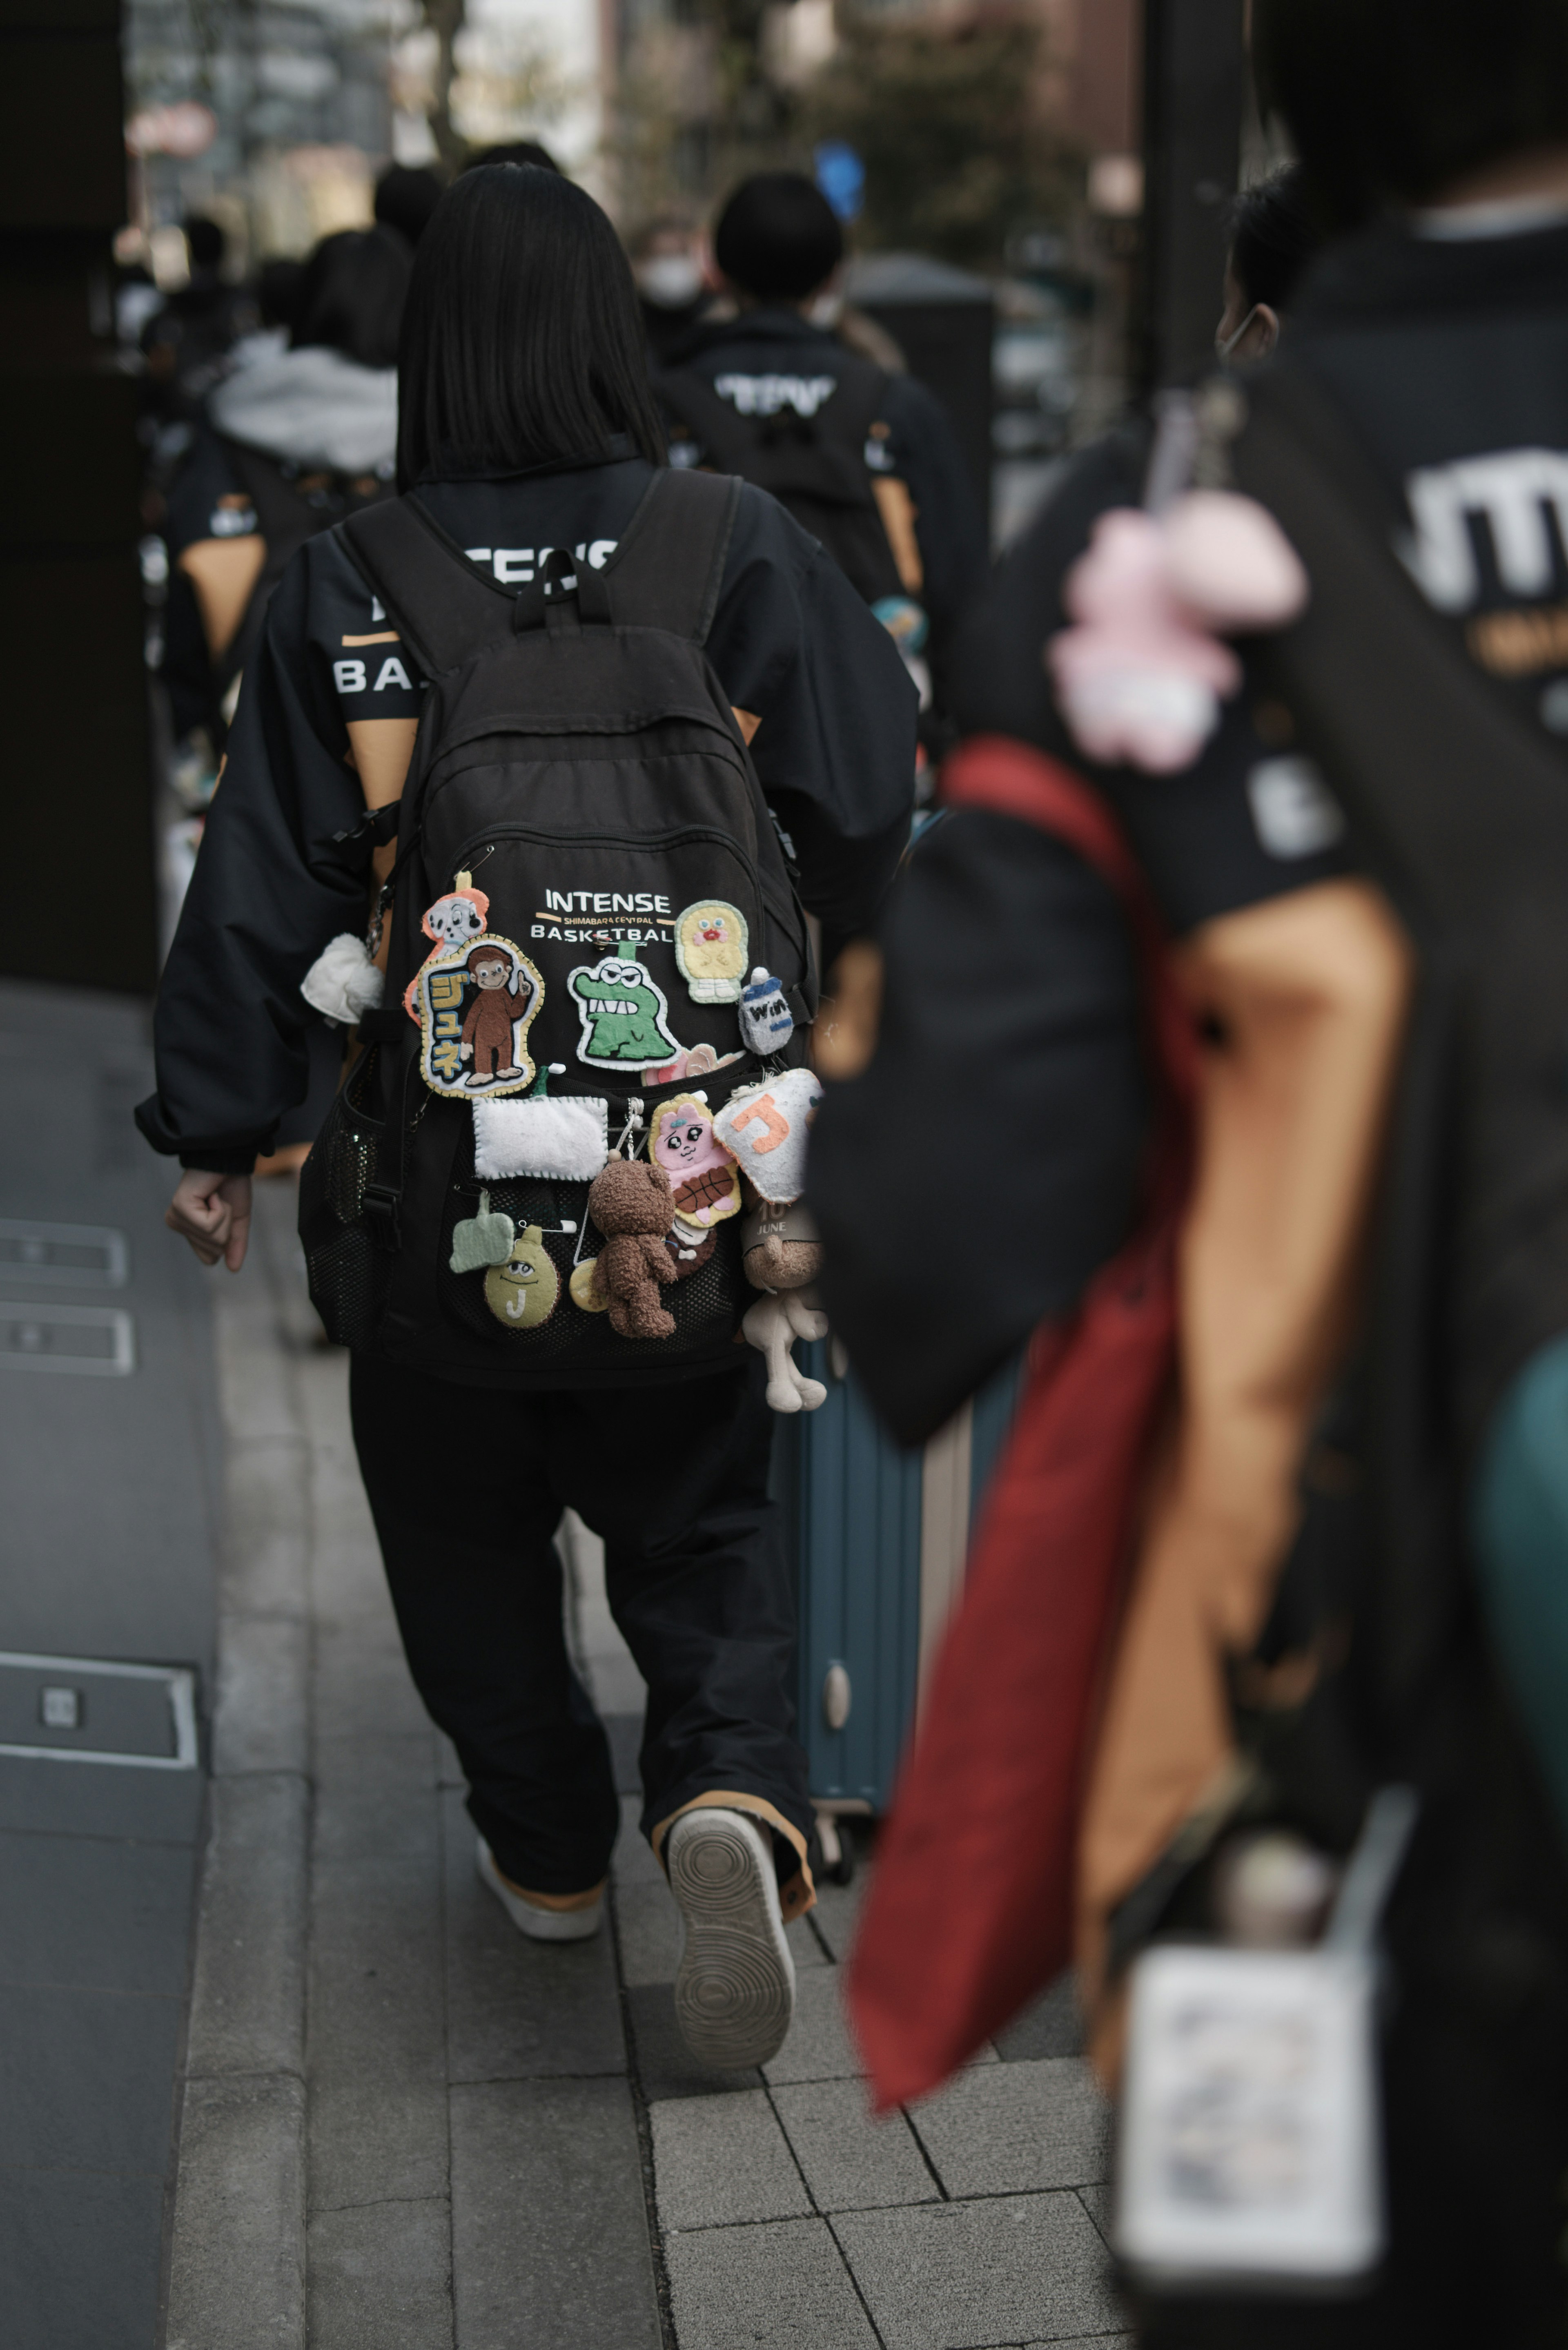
{"x": 539, "y": 1924}
{"x": 734, "y": 1989}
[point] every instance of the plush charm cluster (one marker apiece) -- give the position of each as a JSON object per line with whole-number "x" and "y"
{"x": 1141, "y": 676}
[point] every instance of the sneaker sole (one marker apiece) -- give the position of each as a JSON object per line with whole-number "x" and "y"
{"x": 539, "y": 1925}
{"x": 734, "y": 1990}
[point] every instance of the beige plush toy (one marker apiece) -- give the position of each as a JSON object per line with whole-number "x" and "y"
{"x": 779, "y": 1245}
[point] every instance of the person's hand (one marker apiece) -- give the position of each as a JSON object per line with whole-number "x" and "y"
{"x": 213, "y": 1213}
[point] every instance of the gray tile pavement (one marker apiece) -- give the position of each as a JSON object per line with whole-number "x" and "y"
{"x": 852, "y": 2162}
{"x": 721, "y": 2160}
{"x": 776, "y": 2287}
{"x": 958, "y": 2276}
{"x": 237, "y": 2259}
{"x": 108, "y": 1552}
{"x": 517, "y": 2010}
{"x": 381, "y": 2276}
{"x": 1005, "y": 2129}
{"x": 550, "y": 2239}
{"x": 1051, "y": 2026}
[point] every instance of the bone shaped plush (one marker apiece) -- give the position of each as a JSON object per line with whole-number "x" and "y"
{"x": 772, "y": 1325}
{"x": 1142, "y": 674}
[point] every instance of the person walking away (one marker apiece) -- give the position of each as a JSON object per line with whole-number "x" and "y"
{"x": 671, "y": 285}
{"x": 293, "y": 439}
{"x": 863, "y": 457}
{"x": 187, "y": 340}
{"x": 472, "y": 1269}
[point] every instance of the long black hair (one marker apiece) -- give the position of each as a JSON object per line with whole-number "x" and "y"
{"x": 522, "y": 343}
{"x": 350, "y": 294}
{"x": 1398, "y": 98}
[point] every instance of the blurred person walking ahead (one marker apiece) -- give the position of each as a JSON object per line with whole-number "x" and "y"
{"x": 864, "y": 458}
{"x": 545, "y": 661}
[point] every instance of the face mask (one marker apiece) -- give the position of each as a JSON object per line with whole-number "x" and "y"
{"x": 669, "y": 281}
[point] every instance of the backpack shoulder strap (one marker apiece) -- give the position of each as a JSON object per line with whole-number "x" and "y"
{"x": 444, "y": 611}
{"x": 1013, "y": 779}
{"x": 670, "y": 566}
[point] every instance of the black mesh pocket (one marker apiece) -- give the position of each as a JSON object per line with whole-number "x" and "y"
{"x": 350, "y": 1273}
{"x": 707, "y": 1304}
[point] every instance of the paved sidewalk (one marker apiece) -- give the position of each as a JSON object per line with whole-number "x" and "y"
{"x": 109, "y": 1468}
{"x": 407, "y": 2128}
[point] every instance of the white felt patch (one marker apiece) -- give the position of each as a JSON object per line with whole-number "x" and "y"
{"x": 343, "y": 983}
{"x": 765, "y": 1125}
{"x": 565, "y": 1138}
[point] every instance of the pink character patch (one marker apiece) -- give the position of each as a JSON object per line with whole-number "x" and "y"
{"x": 702, "y": 1172}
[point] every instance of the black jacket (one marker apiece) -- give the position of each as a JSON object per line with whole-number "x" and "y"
{"x": 921, "y": 448}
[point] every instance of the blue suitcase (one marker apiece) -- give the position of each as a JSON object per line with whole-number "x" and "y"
{"x": 878, "y": 1538}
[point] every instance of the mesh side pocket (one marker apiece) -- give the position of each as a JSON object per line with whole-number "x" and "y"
{"x": 707, "y": 1306}
{"x": 349, "y": 1275}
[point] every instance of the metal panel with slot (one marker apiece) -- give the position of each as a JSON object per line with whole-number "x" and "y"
{"x": 96, "y": 1340}
{"x": 80, "y": 1709}
{"x": 71, "y": 1256}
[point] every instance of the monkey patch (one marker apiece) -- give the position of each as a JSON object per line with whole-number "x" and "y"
{"x": 476, "y": 1006}
{"x": 710, "y": 941}
{"x": 524, "y": 1292}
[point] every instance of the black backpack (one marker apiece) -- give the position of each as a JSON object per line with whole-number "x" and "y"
{"x": 814, "y": 466}
{"x": 579, "y": 767}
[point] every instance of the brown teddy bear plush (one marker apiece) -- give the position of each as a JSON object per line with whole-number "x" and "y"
{"x": 633, "y": 1206}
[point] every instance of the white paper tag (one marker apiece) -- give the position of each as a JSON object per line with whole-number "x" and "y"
{"x": 1249, "y": 2145}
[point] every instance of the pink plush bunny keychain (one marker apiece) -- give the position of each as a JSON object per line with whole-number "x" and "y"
{"x": 1141, "y": 675}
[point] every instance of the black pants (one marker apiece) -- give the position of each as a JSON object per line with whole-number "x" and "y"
{"x": 467, "y": 1486}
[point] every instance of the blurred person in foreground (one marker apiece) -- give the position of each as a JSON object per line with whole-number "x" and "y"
{"x": 1007, "y": 968}
{"x": 865, "y": 458}
{"x": 1348, "y": 1522}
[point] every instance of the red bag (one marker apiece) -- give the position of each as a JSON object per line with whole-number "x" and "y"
{"x": 970, "y": 1909}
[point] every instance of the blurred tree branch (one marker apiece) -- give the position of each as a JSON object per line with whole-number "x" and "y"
{"x": 445, "y": 19}
{"x": 949, "y": 123}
